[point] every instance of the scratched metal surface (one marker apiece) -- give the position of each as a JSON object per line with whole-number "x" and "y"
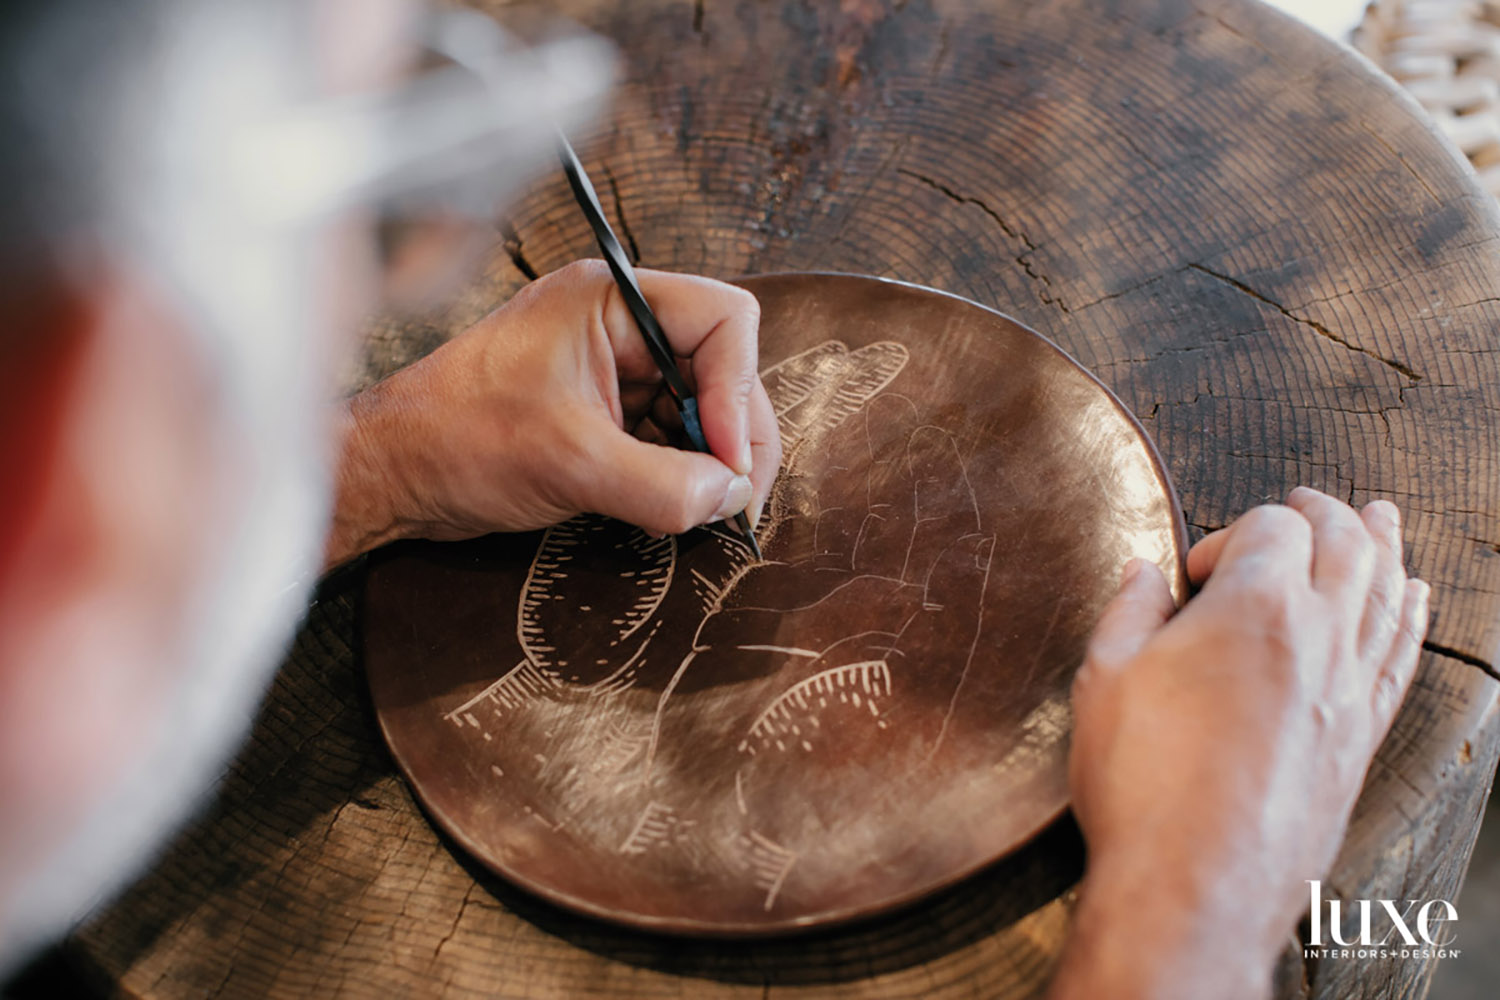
{"x": 666, "y": 733}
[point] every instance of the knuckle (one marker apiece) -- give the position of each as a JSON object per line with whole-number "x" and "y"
{"x": 1348, "y": 534}
{"x": 743, "y": 383}
{"x": 585, "y": 269}
{"x": 587, "y": 279}
{"x": 1379, "y": 633}
{"x": 1265, "y": 595}
{"x": 1275, "y": 523}
{"x": 1273, "y": 516}
{"x": 1322, "y": 717}
{"x": 1383, "y": 613}
{"x": 1413, "y": 630}
{"x": 1387, "y": 689}
{"x": 744, "y": 302}
{"x": 1385, "y": 514}
{"x": 1387, "y": 697}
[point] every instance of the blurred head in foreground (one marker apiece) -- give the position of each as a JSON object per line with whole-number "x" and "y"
{"x": 192, "y": 191}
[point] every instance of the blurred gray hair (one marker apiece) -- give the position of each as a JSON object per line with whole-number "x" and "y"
{"x": 88, "y": 85}
{"x": 71, "y": 68}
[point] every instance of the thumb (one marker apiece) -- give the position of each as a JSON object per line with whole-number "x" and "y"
{"x": 1142, "y": 606}
{"x": 661, "y": 489}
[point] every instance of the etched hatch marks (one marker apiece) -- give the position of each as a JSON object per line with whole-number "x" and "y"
{"x": 769, "y": 862}
{"x": 515, "y": 688}
{"x": 824, "y": 385}
{"x": 659, "y": 824}
{"x": 861, "y": 685}
{"x": 551, "y": 620}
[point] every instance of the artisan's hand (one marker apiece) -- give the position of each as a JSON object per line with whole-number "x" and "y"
{"x": 1217, "y": 755}
{"x": 552, "y": 406}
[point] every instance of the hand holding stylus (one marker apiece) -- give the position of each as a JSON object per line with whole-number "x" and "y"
{"x": 674, "y": 386}
{"x": 551, "y": 406}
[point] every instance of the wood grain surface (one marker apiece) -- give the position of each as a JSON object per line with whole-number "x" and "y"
{"x": 1254, "y": 239}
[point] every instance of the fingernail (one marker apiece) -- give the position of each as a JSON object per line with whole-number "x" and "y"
{"x": 755, "y": 514}
{"x": 742, "y": 458}
{"x": 736, "y": 499}
{"x": 1132, "y": 570}
{"x": 1391, "y": 510}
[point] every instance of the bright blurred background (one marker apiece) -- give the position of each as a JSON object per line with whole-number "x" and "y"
{"x": 1335, "y": 18}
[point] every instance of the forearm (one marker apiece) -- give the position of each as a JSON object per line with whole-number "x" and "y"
{"x": 1156, "y": 930}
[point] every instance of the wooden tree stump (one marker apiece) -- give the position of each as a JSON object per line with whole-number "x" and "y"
{"x": 1256, "y": 241}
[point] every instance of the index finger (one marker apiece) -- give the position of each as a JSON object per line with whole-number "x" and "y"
{"x": 715, "y": 324}
{"x": 1343, "y": 548}
{"x": 1269, "y": 539}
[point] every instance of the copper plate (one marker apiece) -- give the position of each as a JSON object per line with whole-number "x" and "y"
{"x": 661, "y": 733}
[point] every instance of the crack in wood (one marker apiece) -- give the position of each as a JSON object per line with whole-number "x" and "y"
{"x": 457, "y": 919}
{"x": 511, "y": 241}
{"x": 614, "y": 190}
{"x": 1254, "y": 43}
{"x": 1123, "y": 291}
{"x": 942, "y": 52}
{"x": 698, "y": 16}
{"x": 1482, "y": 666}
{"x": 1312, "y": 324}
{"x": 1005, "y": 227}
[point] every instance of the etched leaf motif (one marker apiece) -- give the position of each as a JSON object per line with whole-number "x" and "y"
{"x": 817, "y": 390}
{"x": 591, "y": 569}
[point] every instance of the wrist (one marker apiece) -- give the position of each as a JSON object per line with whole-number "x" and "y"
{"x": 1156, "y": 924}
{"x": 371, "y": 505}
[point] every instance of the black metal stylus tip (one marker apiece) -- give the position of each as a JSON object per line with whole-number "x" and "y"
{"x": 743, "y": 523}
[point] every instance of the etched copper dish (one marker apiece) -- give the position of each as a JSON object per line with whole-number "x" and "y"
{"x": 666, "y": 734}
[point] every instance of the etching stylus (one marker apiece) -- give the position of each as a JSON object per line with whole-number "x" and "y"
{"x": 645, "y": 319}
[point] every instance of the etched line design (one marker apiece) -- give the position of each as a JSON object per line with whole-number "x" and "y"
{"x": 659, "y": 824}
{"x": 824, "y": 385}
{"x": 770, "y": 863}
{"x": 547, "y": 576}
{"x": 622, "y": 678}
{"x": 739, "y": 793}
{"x": 788, "y": 650}
{"x": 861, "y": 684}
{"x": 618, "y": 748}
{"x": 515, "y": 687}
{"x": 969, "y": 659}
{"x": 706, "y": 588}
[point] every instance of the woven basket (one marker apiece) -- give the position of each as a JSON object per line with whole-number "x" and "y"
{"x": 1447, "y": 53}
